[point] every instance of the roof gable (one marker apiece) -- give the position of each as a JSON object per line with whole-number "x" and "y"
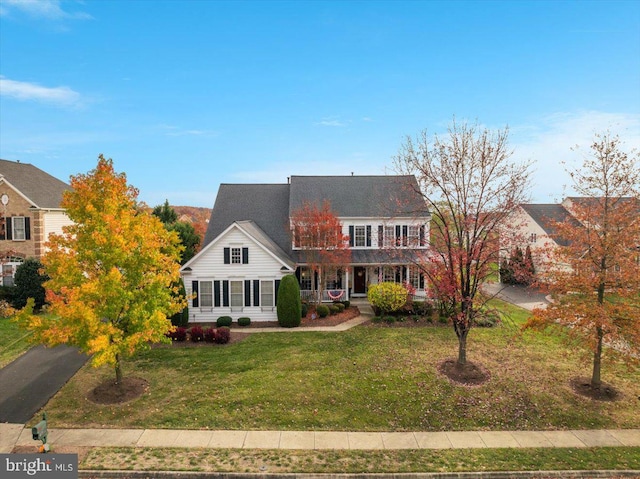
{"x": 546, "y": 215}
{"x": 38, "y": 187}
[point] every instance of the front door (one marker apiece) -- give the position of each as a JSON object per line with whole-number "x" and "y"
{"x": 359, "y": 280}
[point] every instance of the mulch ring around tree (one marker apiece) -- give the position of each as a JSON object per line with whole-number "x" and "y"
{"x": 469, "y": 374}
{"x": 606, "y": 392}
{"x": 108, "y": 392}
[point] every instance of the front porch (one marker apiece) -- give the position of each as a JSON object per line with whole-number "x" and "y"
{"x": 354, "y": 281}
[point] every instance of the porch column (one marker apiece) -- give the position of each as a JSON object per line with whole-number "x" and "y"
{"x": 346, "y": 285}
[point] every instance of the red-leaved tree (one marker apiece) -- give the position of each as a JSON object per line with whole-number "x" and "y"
{"x": 317, "y": 232}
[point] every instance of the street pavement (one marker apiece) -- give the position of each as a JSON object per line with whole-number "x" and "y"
{"x": 27, "y": 383}
{"x": 523, "y": 296}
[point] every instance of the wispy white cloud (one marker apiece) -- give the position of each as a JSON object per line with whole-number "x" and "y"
{"x": 550, "y": 142}
{"x": 26, "y": 91}
{"x": 43, "y": 9}
{"x": 333, "y": 122}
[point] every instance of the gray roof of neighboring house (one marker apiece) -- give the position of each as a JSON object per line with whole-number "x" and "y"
{"x": 545, "y": 215}
{"x": 42, "y": 189}
{"x": 361, "y": 196}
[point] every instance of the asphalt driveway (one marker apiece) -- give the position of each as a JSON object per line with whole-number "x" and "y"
{"x": 523, "y": 296}
{"x": 30, "y": 381}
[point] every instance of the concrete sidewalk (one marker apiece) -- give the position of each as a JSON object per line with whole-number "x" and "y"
{"x": 12, "y": 435}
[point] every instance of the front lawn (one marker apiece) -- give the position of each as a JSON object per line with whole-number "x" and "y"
{"x": 13, "y": 341}
{"x": 365, "y": 379}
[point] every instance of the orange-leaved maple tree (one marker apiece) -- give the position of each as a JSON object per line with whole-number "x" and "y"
{"x": 112, "y": 273}
{"x": 595, "y": 280}
{"x": 317, "y": 232}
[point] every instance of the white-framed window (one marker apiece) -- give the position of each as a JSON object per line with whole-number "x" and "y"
{"x": 18, "y": 227}
{"x": 266, "y": 293}
{"x": 389, "y": 236}
{"x": 236, "y": 294}
{"x": 414, "y": 277}
{"x": 236, "y": 255}
{"x": 360, "y": 233}
{"x": 414, "y": 235}
{"x": 205, "y": 294}
{"x": 533, "y": 238}
{"x": 389, "y": 274}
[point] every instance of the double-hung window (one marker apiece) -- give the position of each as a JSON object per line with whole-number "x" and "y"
{"x": 360, "y": 236}
{"x": 19, "y": 228}
{"x": 236, "y": 255}
{"x": 266, "y": 293}
{"x": 389, "y": 236}
{"x": 205, "y": 294}
{"x": 414, "y": 235}
{"x": 237, "y": 294}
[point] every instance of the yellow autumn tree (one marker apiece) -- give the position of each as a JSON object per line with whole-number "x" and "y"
{"x": 595, "y": 279}
{"x": 112, "y": 273}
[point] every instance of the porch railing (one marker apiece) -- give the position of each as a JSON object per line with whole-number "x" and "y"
{"x": 328, "y": 295}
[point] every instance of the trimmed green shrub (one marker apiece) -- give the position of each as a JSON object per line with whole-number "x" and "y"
{"x": 305, "y": 310}
{"x": 387, "y": 297}
{"x": 224, "y": 321}
{"x": 346, "y": 303}
{"x": 389, "y": 319}
{"x": 28, "y": 284}
{"x": 289, "y": 305}
{"x": 340, "y": 307}
{"x": 322, "y": 310}
{"x": 181, "y": 318}
{"x": 333, "y": 309}
{"x": 244, "y": 321}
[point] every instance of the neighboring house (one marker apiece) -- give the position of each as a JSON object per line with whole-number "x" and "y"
{"x": 29, "y": 212}
{"x": 248, "y": 246}
{"x": 534, "y": 227}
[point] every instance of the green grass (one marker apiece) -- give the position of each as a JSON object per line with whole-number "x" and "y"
{"x": 332, "y": 461}
{"x": 366, "y": 379}
{"x": 13, "y": 341}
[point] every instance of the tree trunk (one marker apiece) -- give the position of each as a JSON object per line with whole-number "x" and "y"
{"x": 462, "y": 348}
{"x": 118, "y": 370}
{"x": 597, "y": 358}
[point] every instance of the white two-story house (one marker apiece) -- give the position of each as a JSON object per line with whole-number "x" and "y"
{"x": 248, "y": 246}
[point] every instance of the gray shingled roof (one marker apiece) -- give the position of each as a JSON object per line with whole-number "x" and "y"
{"x": 267, "y": 205}
{"x": 545, "y": 215}
{"x": 42, "y": 189}
{"x": 361, "y": 196}
{"x": 256, "y": 232}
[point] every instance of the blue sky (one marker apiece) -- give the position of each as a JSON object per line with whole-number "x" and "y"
{"x": 185, "y": 95}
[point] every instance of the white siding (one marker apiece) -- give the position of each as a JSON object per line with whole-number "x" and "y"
{"x": 54, "y": 221}
{"x": 209, "y": 266}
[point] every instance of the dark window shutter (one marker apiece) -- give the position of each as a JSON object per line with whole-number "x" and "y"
{"x": 256, "y": 292}
{"x": 194, "y": 290}
{"x": 27, "y": 228}
{"x": 351, "y": 233}
{"x": 277, "y": 287}
{"x": 216, "y": 294}
{"x": 398, "y": 235}
{"x": 227, "y": 256}
{"x": 368, "y": 235}
{"x": 405, "y": 234}
{"x": 247, "y": 292}
{"x": 225, "y": 293}
{"x": 245, "y": 255}
{"x": 422, "y": 238}
{"x": 398, "y": 278}
{"x": 9, "y": 231}
{"x": 380, "y": 236}
{"x": 421, "y": 281}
